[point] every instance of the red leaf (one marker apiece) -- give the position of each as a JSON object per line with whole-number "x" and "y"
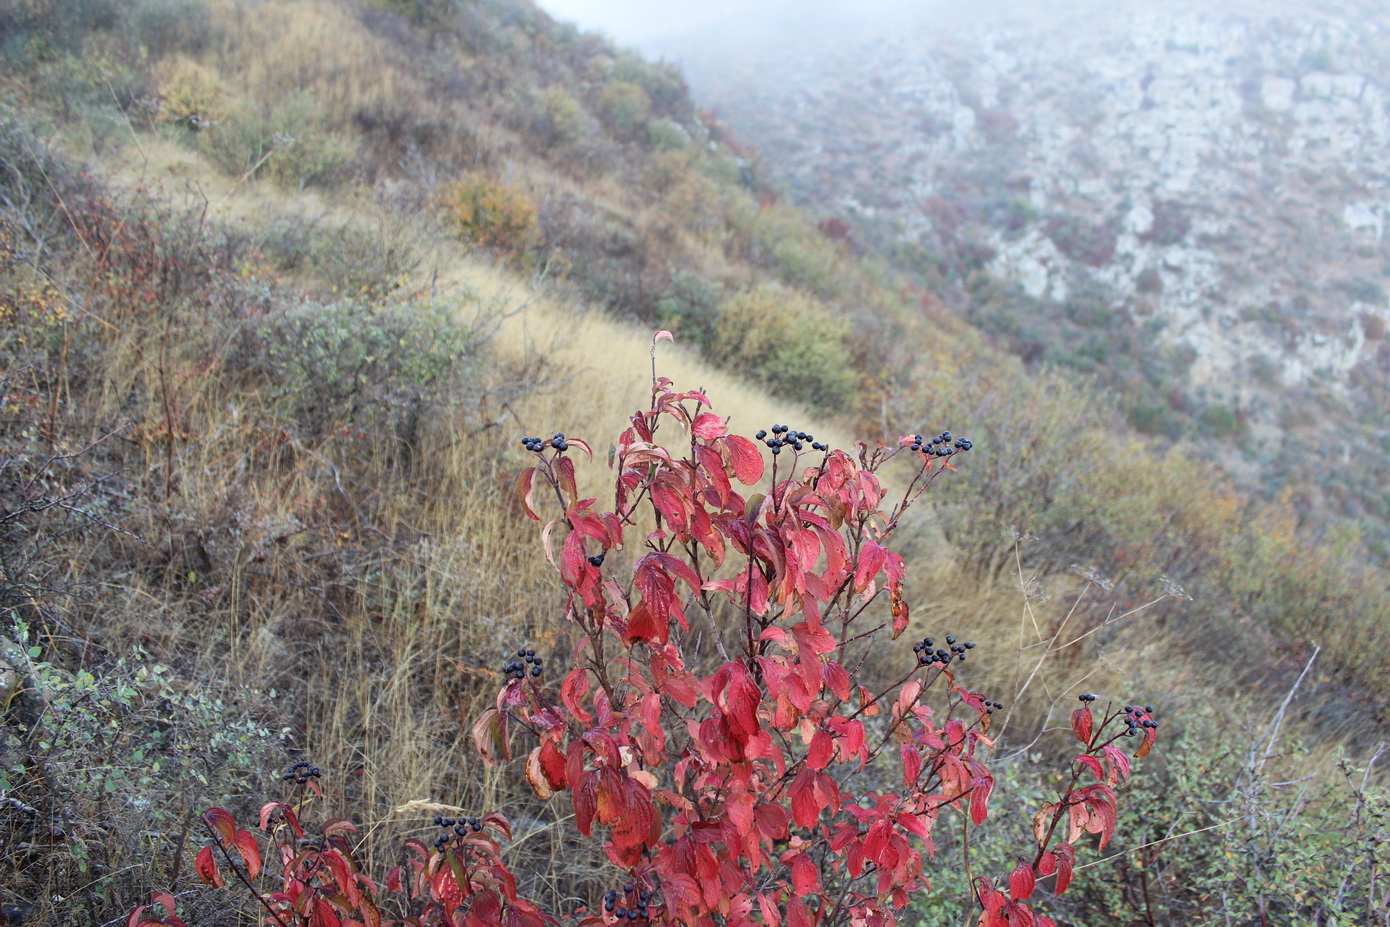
{"x": 1066, "y": 858}
{"x": 221, "y": 822}
{"x": 662, "y": 335}
{"x": 1022, "y": 882}
{"x": 900, "y": 612}
{"x": 1150, "y": 735}
{"x": 912, "y": 763}
{"x": 870, "y": 563}
{"x": 657, "y": 588}
{"x": 1081, "y": 725}
{"x": 805, "y": 808}
{"x": 564, "y": 471}
{"x": 747, "y": 462}
{"x": 1019, "y": 915}
{"x": 1047, "y": 864}
{"x": 490, "y": 737}
{"x": 249, "y": 852}
{"x": 837, "y": 679}
{"x": 536, "y": 777}
{"x": 805, "y": 878}
{"x": 574, "y": 687}
{"x": 1092, "y": 764}
{"x": 525, "y": 491}
{"x": 167, "y": 900}
{"x": 1117, "y": 756}
{"x": 822, "y": 750}
{"x": 584, "y": 795}
{"x": 979, "y": 799}
{"x": 708, "y": 426}
{"x": 206, "y": 868}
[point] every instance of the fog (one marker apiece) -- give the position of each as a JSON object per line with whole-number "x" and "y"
{"x": 666, "y": 26}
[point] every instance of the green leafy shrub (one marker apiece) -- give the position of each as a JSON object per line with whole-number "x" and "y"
{"x": 665, "y": 135}
{"x": 563, "y": 117}
{"x": 795, "y": 251}
{"x": 1222, "y": 421}
{"x": 284, "y": 143}
{"x": 791, "y": 341}
{"x": 98, "y": 781}
{"x": 483, "y": 211}
{"x": 348, "y": 259}
{"x": 662, "y": 83}
{"x": 353, "y": 362}
{"x": 626, "y": 106}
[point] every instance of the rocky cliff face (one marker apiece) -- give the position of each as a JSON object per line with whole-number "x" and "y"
{"x": 1192, "y": 204}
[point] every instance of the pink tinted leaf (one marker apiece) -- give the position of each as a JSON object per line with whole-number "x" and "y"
{"x": 744, "y": 456}
{"x": 1121, "y": 761}
{"x": 526, "y": 490}
{"x": 708, "y": 426}
{"x": 1092, "y": 764}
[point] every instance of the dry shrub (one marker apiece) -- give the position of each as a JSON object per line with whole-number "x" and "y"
{"x": 190, "y": 92}
{"x": 483, "y": 211}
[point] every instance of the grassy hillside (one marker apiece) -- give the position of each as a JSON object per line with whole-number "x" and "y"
{"x": 282, "y": 283}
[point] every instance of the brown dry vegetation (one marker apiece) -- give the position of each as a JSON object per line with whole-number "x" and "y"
{"x": 310, "y": 553}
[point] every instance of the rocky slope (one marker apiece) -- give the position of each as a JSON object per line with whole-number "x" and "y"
{"x": 1191, "y": 204}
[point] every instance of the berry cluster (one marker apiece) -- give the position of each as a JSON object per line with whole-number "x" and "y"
{"x": 516, "y": 669}
{"x": 784, "y": 436}
{"x": 454, "y": 827}
{"x": 536, "y": 445}
{"x": 1136, "y": 720}
{"x": 301, "y": 773}
{"x": 1087, "y": 697}
{"x": 941, "y": 445}
{"x": 925, "y": 655}
{"x": 596, "y": 560}
{"x": 990, "y": 706}
{"x": 633, "y": 905}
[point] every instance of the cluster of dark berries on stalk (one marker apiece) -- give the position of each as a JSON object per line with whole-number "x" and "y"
{"x": 942, "y": 445}
{"x": 300, "y": 773}
{"x": 536, "y": 445}
{"x": 516, "y": 669}
{"x": 454, "y": 827}
{"x": 1087, "y": 697}
{"x": 1136, "y": 720}
{"x": 784, "y": 436}
{"x": 630, "y": 905}
{"x": 990, "y": 706}
{"x": 926, "y": 656}
{"x": 596, "y": 560}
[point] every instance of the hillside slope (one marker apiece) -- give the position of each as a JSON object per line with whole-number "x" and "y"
{"x": 1187, "y": 203}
